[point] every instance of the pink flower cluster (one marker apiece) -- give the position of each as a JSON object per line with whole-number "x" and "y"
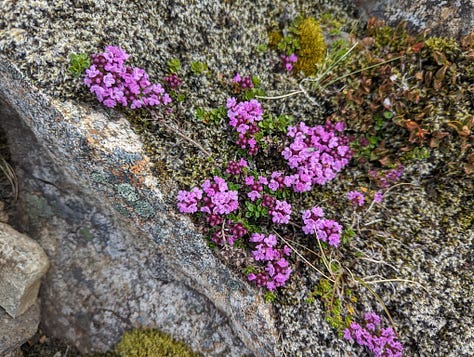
{"x": 277, "y": 270}
{"x": 188, "y": 200}
{"x": 316, "y": 153}
{"x": 385, "y": 178}
{"x": 115, "y": 83}
{"x": 230, "y": 233}
{"x": 289, "y": 61}
{"x": 214, "y": 197}
{"x": 356, "y": 198}
{"x": 243, "y": 117}
{"x": 235, "y": 167}
{"x": 381, "y": 341}
{"x": 243, "y": 82}
{"x": 326, "y": 230}
{"x": 255, "y": 186}
{"x": 277, "y": 181}
{"x": 173, "y": 81}
{"x": 280, "y": 212}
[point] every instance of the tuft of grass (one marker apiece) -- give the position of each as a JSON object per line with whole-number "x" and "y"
{"x": 10, "y": 175}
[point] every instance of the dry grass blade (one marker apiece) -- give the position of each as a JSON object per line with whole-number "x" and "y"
{"x": 10, "y": 175}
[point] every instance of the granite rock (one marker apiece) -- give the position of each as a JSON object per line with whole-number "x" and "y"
{"x": 22, "y": 265}
{"x": 15, "y": 332}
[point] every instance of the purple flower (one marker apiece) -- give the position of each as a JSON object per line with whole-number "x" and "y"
{"x": 187, "y": 201}
{"x": 253, "y": 195}
{"x": 257, "y": 237}
{"x": 382, "y": 342}
{"x": 110, "y": 103}
{"x": 281, "y": 212}
{"x": 237, "y": 78}
{"x": 356, "y": 198}
{"x": 271, "y": 240}
{"x": 235, "y": 168}
{"x": 214, "y": 197}
{"x": 316, "y": 153}
{"x": 288, "y": 61}
{"x": 92, "y": 72}
{"x": 119, "y": 54}
{"x": 122, "y": 84}
{"x": 109, "y": 80}
{"x": 384, "y": 179}
{"x": 378, "y": 196}
{"x": 277, "y": 269}
{"x": 243, "y": 116}
{"x": 326, "y": 230}
{"x": 173, "y": 81}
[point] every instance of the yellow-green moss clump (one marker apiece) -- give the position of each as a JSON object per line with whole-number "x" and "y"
{"x": 151, "y": 343}
{"x": 441, "y": 44}
{"x": 312, "y": 46}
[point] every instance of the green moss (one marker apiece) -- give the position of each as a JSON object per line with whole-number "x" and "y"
{"x": 441, "y": 44}
{"x": 78, "y": 63}
{"x": 337, "y": 311}
{"x": 330, "y": 24}
{"x": 312, "y": 46}
{"x": 198, "y": 67}
{"x": 149, "y": 343}
{"x": 274, "y": 38}
{"x": 387, "y": 37}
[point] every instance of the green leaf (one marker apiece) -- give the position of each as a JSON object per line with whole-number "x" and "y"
{"x": 174, "y": 65}
{"x": 200, "y": 113}
{"x": 249, "y": 269}
{"x": 198, "y": 67}
{"x": 78, "y": 63}
{"x": 269, "y": 297}
{"x": 256, "y": 81}
{"x": 233, "y": 186}
{"x": 387, "y": 114}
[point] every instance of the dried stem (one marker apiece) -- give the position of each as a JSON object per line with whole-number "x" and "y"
{"x": 181, "y": 135}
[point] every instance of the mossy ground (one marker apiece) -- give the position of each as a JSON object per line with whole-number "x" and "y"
{"x": 414, "y": 106}
{"x": 415, "y": 110}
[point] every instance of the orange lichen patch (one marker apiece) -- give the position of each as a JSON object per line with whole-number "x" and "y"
{"x": 92, "y": 138}
{"x": 140, "y": 170}
{"x": 140, "y": 167}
